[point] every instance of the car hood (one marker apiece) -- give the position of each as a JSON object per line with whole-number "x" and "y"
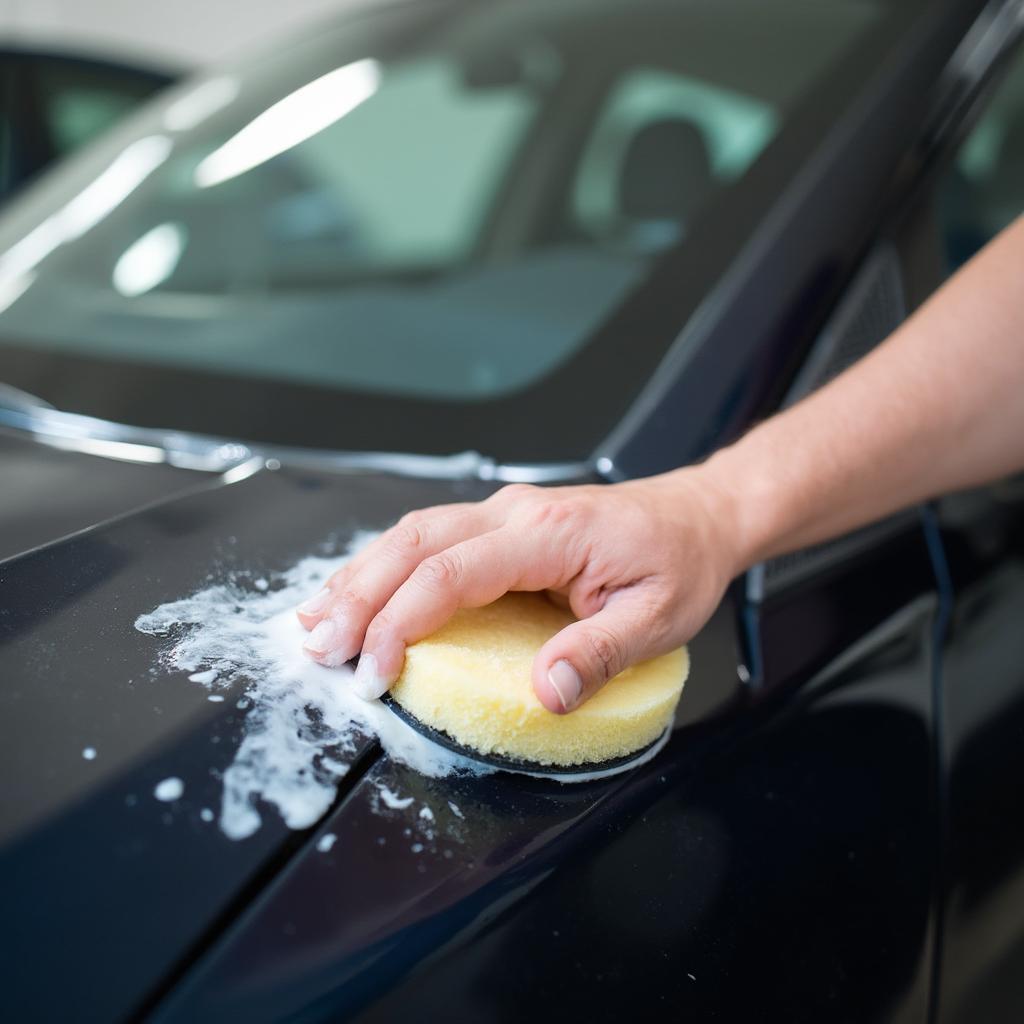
{"x": 138, "y": 903}
{"x": 47, "y": 493}
{"x": 90, "y": 725}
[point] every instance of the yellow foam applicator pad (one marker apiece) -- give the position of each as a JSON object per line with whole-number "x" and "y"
{"x": 472, "y": 679}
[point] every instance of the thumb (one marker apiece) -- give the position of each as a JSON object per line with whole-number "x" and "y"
{"x": 575, "y": 663}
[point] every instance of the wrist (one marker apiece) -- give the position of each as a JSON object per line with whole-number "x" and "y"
{"x": 744, "y": 502}
{"x": 730, "y": 532}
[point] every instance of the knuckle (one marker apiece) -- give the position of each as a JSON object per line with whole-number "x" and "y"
{"x": 382, "y": 624}
{"x": 604, "y": 650}
{"x": 440, "y": 572}
{"x": 411, "y": 518}
{"x": 351, "y": 602}
{"x": 408, "y": 538}
{"x": 512, "y": 493}
{"x": 555, "y": 515}
{"x": 336, "y": 581}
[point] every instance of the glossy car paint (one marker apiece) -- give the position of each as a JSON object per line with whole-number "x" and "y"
{"x": 77, "y": 674}
{"x": 684, "y": 866}
{"x": 767, "y": 866}
{"x": 983, "y": 755}
{"x": 829, "y": 834}
{"x": 49, "y": 493}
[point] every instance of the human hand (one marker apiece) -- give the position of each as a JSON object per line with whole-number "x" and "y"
{"x": 642, "y": 565}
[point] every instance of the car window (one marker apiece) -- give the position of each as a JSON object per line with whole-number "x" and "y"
{"x": 369, "y": 213}
{"x": 459, "y": 141}
{"x": 984, "y": 188}
{"x": 79, "y": 100}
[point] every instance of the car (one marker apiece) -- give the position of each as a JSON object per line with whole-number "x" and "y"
{"x": 54, "y": 101}
{"x": 418, "y": 253}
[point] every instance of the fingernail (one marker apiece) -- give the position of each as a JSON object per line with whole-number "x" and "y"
{"x": 566, "y": 682}
{"x": 317, "y": 603}
{"x": 367, "y": 682}
{"x": 324, "y": 637}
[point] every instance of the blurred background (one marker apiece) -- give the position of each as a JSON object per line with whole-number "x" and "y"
{"x": 70, "y": 69}
{"x": 184, "y": 186}
{"x": 183, "y": 34}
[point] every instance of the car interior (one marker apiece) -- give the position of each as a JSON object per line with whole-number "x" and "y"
{"x": 586, "y": 148}
{"x": 982, "y": 192}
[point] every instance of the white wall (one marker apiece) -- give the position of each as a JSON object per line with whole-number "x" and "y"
{"x": 185, "y": 32}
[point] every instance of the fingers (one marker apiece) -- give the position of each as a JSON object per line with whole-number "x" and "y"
{"x": 339, "y": 634}
{"x": 575, "y": 663}
{"x": 312, "y": 610}
{"x": 469, "y": 575}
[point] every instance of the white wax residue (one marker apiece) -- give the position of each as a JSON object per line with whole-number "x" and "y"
{"x": 391, "y": 799}
{"x": 89, "y": 753}
{"x": 169, "y": 789}
{"x": 326, "y": 841}
{"x": 303, "y": 722}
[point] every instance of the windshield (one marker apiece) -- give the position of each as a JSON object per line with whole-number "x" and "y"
{"x": 410, "y": 230}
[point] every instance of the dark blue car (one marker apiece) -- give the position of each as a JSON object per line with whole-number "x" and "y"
{"x": 430, "y": 248}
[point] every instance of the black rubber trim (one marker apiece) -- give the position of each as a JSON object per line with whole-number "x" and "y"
{"x": 512, "y": 764}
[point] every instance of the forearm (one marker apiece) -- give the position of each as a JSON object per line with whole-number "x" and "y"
{"x": 939, "y": 406}
{"x": 643, "y": 564}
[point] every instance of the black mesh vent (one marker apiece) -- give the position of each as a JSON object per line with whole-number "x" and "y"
{"x": 871, "y": 310}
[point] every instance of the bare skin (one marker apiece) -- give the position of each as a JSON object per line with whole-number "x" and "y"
{"x": 937, "y": 407}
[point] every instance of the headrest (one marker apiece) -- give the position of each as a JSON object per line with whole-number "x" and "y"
{"x": 666, "y": 172}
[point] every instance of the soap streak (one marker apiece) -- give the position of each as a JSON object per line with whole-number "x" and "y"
{"x": 304, "y": 724}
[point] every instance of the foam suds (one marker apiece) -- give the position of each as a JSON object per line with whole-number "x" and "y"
{"x": 393, "y": 800}
{"x": 169, "y": 789}
{"x": 303, "y": 721}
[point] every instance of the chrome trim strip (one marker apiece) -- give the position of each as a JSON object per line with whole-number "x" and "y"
{"x": 106, "y": 439}
{"x": 72, "y": 432}
{"x": 14, "y": 398}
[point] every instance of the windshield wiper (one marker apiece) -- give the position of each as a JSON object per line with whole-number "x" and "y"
{"x": 87, "y": 434}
